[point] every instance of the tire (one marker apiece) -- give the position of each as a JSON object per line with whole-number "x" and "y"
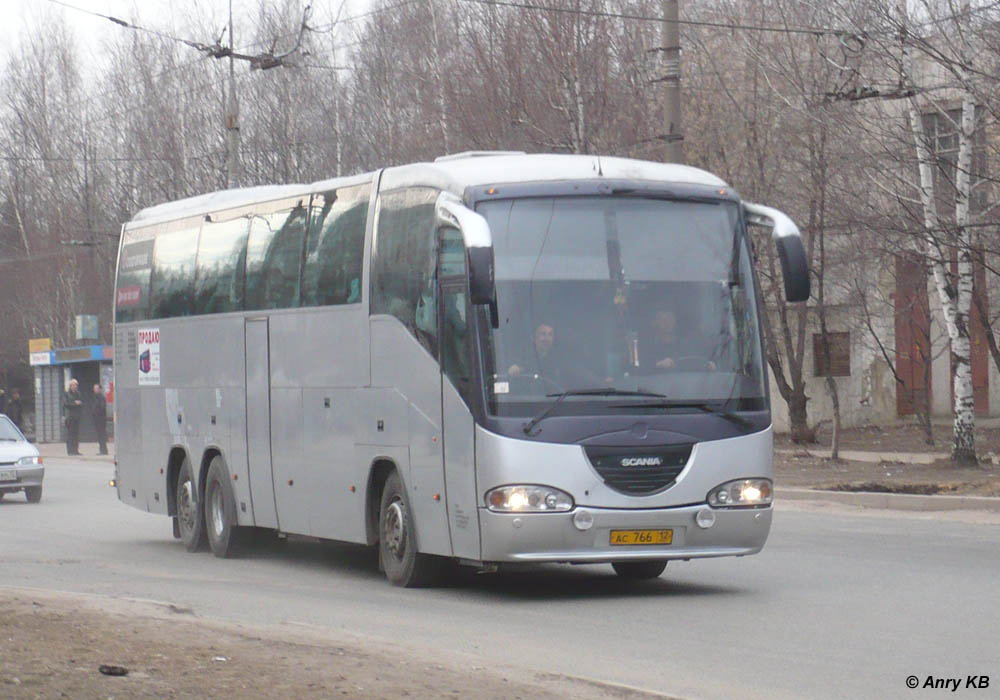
{"x": 33, "y": 493}
{"x": 220, "y": 511}
{"x": 397, "y": 545}
{"x": 639, "y": 570}
{"x": 190, "y": 516}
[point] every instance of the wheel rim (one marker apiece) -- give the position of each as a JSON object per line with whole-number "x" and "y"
{"x": 185, "y": 506}
{"x": 394, "y": 529}
{"x": 218, "y": 511}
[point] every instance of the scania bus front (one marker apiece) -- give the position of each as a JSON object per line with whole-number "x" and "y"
{"x": 625, "y": 412}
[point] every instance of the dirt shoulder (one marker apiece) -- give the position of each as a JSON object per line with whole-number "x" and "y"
{"x": 884, "y": 470}
{"x": 53, "y": 645}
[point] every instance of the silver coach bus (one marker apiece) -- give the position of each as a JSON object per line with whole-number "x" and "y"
{"x": 491, "y": 358}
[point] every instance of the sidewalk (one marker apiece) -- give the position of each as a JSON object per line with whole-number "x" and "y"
{"x": 867, "y": 456}
{"x": 89, "y": 450}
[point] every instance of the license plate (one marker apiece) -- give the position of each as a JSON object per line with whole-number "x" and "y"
{"x": 628, "y": 537}
{"x": 8, "y": 475}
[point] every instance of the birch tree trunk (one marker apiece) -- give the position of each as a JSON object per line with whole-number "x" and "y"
{"x": 954, "y": 290}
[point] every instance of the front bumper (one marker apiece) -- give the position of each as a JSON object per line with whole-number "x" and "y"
{"x": 552, "y": 537}
{"x": 26, "y": 476}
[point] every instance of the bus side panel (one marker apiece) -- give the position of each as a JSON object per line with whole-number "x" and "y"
{"x": 399, "y": 361}
{"x": 333, "y": 419}
{"x": 234, "y": 413}
{"x": 128, "y": 446}
{"x": 157, "y": 439}
{"x": 460, "y": 473}
{"x": 291, "y": 475}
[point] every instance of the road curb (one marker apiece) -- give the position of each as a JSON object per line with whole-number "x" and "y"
{"x": 890, "y": 501}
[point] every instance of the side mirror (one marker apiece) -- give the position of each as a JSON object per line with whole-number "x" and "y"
{"x": 791, "y": 252}
{"x": 478, "y": 241}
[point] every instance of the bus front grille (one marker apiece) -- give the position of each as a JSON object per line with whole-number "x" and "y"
{"x": 638, "y": 471}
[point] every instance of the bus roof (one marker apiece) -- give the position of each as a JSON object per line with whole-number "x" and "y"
{"x": 453, "y": 173}
{"x": 456, "y": 173}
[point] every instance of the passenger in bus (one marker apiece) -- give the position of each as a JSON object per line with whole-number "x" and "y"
{"x": 666, "y": 348}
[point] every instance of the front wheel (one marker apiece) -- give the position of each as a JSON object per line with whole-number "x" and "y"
{"x": 638, "y": 570}
{"x": 190, "y": 517}
{"x": 33, "y": 493}
{"x": 220, "y": 510}
{"x": 397, "y": 544}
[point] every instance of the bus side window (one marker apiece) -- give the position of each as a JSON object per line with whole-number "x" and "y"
{"x": 404, "y": 262}
{"x": 274, "y": 256}
{"x": 335, "y": 247}
{"x": 134, "y": 266}
{"x": 219, "y": 280}
{"x": 172, "y": 280}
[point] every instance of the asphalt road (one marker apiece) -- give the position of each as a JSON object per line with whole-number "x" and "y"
{"x": 838, "y": 605}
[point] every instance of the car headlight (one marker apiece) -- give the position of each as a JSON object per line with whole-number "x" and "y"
{"x": 742, "y": 493}
{"x": 528, "y": 499}
{"x": 33, "y": 461}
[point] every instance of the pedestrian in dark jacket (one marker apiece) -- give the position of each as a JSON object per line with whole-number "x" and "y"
{"x": 99, "y": 411}
{"x": 73, "y": 407}
{"x": 15, "y": 411}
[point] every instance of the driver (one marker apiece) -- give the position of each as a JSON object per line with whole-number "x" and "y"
{"x": 665, "y": 347}
{"x": 542, "y": 362}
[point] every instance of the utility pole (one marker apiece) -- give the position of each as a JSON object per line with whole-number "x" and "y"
{"x": 232, "y": 116}
{"x": 672, "y": 137}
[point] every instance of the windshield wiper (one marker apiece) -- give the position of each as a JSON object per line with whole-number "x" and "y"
{"x": 604, "y": 391}
{"x": 715, "y": 408}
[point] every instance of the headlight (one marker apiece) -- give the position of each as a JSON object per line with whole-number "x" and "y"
{"x": 741, "y": 493}
{"x": 528, "y": 499}
{"x": 29, "y": 461}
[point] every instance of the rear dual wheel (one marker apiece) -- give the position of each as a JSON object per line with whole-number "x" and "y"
{"x": 190, "y": 516}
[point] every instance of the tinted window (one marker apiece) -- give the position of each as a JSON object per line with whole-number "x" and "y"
{"x": 222, "y": 253}
{"x": 174, "y": 254}
{"x": 274, "y": 257}
{"x": 132, "y": 294}
{"x": 335, "y": 247}
{"x": 403, "y": 267}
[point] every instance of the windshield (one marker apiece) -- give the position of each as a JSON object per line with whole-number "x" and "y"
{"x": 626, "y": 293}
{"x": 8, "y": 432}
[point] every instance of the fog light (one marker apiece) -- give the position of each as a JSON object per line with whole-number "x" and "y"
{"x": 705, "y": 518}
{"x": 583, "y": 520}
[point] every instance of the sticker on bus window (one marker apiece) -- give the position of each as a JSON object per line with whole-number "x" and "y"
{"x": 129, "y": 296}
{"x": 501, "y": 387}
{"x": 149, "y": 357}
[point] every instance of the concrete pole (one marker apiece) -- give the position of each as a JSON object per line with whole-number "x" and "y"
{"x": 673, "y": 143}
{"x": 232, "y": 116}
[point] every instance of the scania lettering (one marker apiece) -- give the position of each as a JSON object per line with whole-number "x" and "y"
{"x": 488, "y": 359}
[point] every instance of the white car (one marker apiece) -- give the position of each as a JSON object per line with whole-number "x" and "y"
{"x": 20, "y": 464}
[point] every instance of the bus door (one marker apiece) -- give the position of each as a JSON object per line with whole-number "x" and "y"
{"x": 456, "y": 384}
{"x": 258, "y": 366}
